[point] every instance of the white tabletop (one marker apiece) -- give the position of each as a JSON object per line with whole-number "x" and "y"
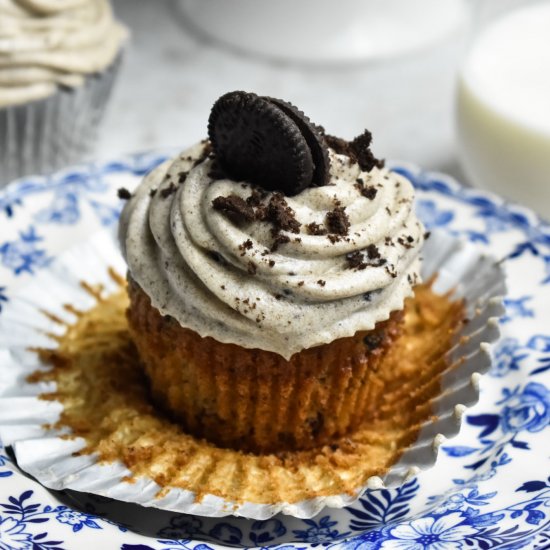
{"x": 171, "y": 77}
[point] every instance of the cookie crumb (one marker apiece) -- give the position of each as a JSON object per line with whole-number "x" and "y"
{"x": 244, "y": 246}
{"x": 124, "y": 194}
{"x": 315, "y": 229}
{"x": 369, "y": 192}
{"x": 406, "y": 242}
{"x": 235, "y": 208}
{"x": 167, "y": 191}
{"x": 279, "y": 240}
{"x": 337, "y": 221}
{"x": 281, "y": 215}
{"x": 256, "y": 198}
{"x": 372, "y": 252}
{"x": 356, "y": 260}
{"x": 358, "y": 150}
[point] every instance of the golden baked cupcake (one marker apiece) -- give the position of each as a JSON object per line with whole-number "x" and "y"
{"x": 268, "y": 270}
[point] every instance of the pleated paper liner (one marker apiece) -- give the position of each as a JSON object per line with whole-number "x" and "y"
{"x": 257, "y": 401}
{"x": 42, "y": 136}
{"x": 165, "y": 468}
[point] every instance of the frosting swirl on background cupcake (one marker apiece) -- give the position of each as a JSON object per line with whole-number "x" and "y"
{"x": 255, "y": 268}
{"x": 46, "y": 43}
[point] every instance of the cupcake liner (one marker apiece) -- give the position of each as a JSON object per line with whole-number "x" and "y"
{"x": 44, "y": 454}
{"x": 42, "y": 136}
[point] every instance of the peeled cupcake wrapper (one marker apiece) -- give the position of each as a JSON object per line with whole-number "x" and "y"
{"x": 42, "y": 136}
{"x": 42, "y": 453}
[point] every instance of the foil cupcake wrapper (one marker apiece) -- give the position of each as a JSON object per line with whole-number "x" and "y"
{"x": 48, "y": 457}
{"x": 43, "y": 136}
{"x": 247, "y": 399}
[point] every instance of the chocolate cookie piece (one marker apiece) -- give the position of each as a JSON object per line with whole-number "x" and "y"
{"x": 266, "y": 142}
{"x": 314, "y": 138}
{"x": 358, "y": 150}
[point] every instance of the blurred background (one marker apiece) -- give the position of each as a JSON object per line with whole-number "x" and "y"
{"x": 457, "y": 86}
{"x": 392, "y": 66}
{"x": 175, "y": 70}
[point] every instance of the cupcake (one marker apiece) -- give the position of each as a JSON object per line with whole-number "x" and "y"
{"x": 268, "y": 269}
{"x": 58, "y": 60}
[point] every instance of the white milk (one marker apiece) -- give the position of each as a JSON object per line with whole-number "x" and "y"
{"x": 503, "y": 107}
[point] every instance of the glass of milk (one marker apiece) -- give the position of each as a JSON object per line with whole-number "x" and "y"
{"x": 503, "y": 106}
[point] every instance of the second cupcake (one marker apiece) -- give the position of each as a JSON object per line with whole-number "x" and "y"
{"x": 58, "y": 62}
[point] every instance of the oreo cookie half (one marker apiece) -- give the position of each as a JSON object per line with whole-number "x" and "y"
{"x": 267, "y": 142}
{"x": 314, "y": 138}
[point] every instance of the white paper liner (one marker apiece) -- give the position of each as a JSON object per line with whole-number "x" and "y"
{"x": 48, "y": 458}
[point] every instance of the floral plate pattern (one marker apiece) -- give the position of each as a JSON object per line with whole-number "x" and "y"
{"x": 491, "y": 485}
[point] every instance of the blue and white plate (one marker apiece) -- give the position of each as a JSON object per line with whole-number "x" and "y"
{"x": 490, "y": 487}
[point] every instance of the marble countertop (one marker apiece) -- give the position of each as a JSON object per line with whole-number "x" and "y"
{"x": 171, "y": 76}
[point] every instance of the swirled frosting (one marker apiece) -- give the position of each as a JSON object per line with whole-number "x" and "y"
{"x": 47, "y": 43}
{"x": 225, "y": 277}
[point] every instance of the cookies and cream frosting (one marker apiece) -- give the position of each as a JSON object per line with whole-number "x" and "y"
{"x": 261, "y": 270}
{"x": 47, "y": 43}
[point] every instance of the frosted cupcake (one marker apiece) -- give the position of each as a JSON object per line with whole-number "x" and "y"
{"x": 268, "y": 270}
{"x": 58, "y": 60}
